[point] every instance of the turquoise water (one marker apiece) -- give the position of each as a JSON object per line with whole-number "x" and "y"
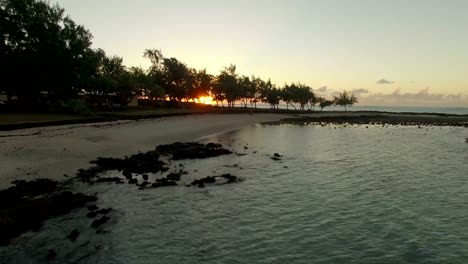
{"x": 339, "y": 195}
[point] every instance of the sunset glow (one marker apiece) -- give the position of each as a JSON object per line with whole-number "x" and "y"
{"x": 205, "y": 100}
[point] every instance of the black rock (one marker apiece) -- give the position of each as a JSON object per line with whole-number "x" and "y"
{"x": 99, "y": 222}
{"x": 145, "y": 177}
{"x": 109, "y": 179}
{"x": 101, "y": 231}
{"x": 163, "y": 182}
{"x": 173, "y": 176}
{"x": 144, "y": 184}
{"x": 73, "y": 235}
{"x": 104, "y": 211}
{"x": 92, "y": 214}
{"x": 93, "y": 207}
{"x": 128, "y": 175}
{"x": 212, "y": 179}
{"x": 138, "y": 163}
{"x": 133, "y": 181}
{"x": 51, "y": 254}
{"x": 192, "y": 150}
{"x": 277, "y": 155}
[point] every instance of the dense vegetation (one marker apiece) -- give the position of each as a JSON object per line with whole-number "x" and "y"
{"x": 47, "y": 59}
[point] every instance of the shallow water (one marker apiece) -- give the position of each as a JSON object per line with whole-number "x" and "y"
{"x": 339, "y": 195}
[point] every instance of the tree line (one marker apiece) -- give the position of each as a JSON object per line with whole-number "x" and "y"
{"x": 43, "y": 50}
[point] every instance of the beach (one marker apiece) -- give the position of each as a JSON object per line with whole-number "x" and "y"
{"x": 346, "y": 180}
{"x": 55, "y": 151}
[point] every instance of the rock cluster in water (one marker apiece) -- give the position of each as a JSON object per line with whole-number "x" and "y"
{"x": 149, "y": 162}
{"x": 228, "y": 178}
{"x": 27, "y": 204}
{"x": 192, "y": 150}
{"x": 139, "y": 163}
{"x": 276, "y": 156}
{"x": 400, "y": 120}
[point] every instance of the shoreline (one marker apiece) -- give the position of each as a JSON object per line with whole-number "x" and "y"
{"x": 58, "y": 152}
{"x": 119, "y": 116}
{"x": 55, "y": 151}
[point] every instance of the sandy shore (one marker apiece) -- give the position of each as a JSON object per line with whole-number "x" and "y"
{"x": 51, "y": 152}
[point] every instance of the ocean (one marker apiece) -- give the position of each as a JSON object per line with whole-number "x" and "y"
{"x": 339, "y": 194}
{"x": 392, "y": 109}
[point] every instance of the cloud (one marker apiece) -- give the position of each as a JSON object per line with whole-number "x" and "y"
{"x": 423, "y": 97}
{"x": 384, "y": 81}
{"x": 359, "y": 91}
{"x": 322, "y": 89}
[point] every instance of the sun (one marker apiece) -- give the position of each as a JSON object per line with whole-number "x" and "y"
{"x": 205, "y": 100}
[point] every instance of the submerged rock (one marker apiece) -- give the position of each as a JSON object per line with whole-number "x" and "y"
{"x": 73, "y": 235}
{"x": 104, "y": 211}
{"x": 213, "y": 179}
{"x": 109, "y": 179}
{"x": 192, "y": 150}
{"x": 133, "y": 181}
{"x": 128, "y": 175}
{"x": 163, "y": 182}
{"x": 51, "y": 254}
{"x": 92, "y": 214}
{"x": 99, "y": 222}
{"x": 92, "y": 207}
{"x": 173, "y": 176}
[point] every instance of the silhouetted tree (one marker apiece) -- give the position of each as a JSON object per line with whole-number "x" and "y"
{"x": 203, "y": 84}
{"x": 175, "y": 77}
{"x": 40, "y": 42}
{"x": 344, "y": 99}
{"x": 313, "y": 100}
{"x": 324, "y": 103}
{"x": 226, "y": 86}
{"x": 287, "y": 95}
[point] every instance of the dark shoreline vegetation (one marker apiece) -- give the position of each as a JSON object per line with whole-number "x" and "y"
{"x": 30, "y": 203}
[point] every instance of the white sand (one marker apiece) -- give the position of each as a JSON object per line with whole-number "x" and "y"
{"x": 51, "y": 152}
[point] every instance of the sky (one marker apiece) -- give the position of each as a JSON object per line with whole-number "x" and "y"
{"x": 392, "y": 52}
